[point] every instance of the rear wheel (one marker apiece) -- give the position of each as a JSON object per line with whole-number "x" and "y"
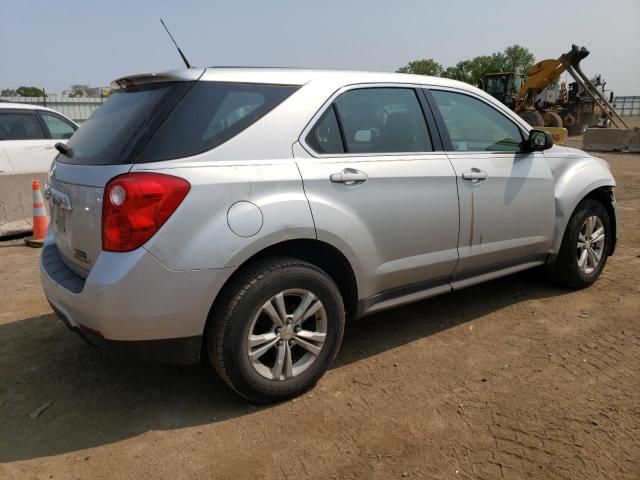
{"x": 532, "y": 117}
{"x": 585, "y": 246}
{"x": 276, "y": 330}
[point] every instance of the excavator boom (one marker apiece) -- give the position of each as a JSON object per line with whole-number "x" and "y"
{"x": 539, "y": 77}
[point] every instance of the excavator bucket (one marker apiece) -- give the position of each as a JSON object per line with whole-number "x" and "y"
{"x": 611, "y": 140}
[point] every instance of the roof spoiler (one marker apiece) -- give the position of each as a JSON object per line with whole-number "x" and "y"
{"x": 184, "y": 75}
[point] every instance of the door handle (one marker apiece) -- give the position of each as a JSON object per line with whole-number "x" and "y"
{"x": 349, "y": 176}
{"x": 475, "y": 175}
{"x": 48, "y": 147}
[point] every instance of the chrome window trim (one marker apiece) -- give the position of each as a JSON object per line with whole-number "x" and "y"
{"x": 359, "y": 86}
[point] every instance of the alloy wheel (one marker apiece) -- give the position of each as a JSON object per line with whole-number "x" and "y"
{"x": 287, "y": 334}
{"x": 590, "y": 245}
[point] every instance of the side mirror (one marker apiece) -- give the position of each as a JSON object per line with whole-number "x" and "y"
{"x": 539, "y": 140}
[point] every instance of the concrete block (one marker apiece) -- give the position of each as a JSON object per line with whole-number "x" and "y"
{"x": 634, "y": 143}
{"x": 16, "y": 202}
{"x": 607, "y": 139}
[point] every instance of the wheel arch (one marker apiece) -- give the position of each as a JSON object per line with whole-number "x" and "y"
{"x": 318, "y": 253}
{"x": 606, "y": 197}
{"x": 604, "y": 194}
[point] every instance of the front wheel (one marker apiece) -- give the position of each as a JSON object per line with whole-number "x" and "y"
{"x": 276, "y": 330}
{"x": 585, "y": 246}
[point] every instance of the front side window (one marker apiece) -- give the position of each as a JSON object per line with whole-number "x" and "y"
{"x": 20, "y": 126}
{"x": 58, "y": 128}
{"x": 475, "y": 126}
{"x": 383, "y": 120}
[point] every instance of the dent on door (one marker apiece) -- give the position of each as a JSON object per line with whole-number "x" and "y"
{"x": 506, "y": 209}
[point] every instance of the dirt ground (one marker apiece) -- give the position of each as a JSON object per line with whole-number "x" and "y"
{"x": 515, "y": 378}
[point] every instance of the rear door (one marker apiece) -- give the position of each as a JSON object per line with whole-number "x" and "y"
{"x": 507, "y": 204}
{"x": 26, "y": 144}
{"x": 380, "y": 190}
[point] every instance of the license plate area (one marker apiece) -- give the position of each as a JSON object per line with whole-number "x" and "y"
{"x": 59, "y": 219}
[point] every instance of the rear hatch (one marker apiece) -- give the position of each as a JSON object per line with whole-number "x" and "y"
{"x": 149, "y": 118}
{"x": 105, "y": 146}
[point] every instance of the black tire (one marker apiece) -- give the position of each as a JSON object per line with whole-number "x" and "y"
{"x": 552, "y": 119}
{"x": 532, "y": 117}
{"x": 565, "y": 270}
{"x": 231, "y": 318}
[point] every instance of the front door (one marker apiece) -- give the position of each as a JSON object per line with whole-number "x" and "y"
{"x": 506, "y": 195}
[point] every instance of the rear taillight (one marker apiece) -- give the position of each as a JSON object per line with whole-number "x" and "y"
{"x": 136, "y": 205}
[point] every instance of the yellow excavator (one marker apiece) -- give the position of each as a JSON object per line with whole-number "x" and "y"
{"x": 579, "y": 107}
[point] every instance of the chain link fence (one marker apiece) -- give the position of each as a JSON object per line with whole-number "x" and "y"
{"x": 627, "y": 106}
{"x": 77, "y": 109}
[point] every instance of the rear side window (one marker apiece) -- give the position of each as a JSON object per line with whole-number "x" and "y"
{"x": 58, "y": 127}
{"x": 20, "y": 126}
{"x": 475, "y": 126}
{"x": 210, "y": 114}
{"x": 383, "y": 120}
{"x": 325, "y": 136}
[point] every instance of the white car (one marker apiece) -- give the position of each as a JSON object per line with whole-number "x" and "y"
{"x": 28, "y": 134}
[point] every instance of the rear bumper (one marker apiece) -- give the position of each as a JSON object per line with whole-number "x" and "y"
{"x": 132, "y": 306}
{"x": 177, "y": 351}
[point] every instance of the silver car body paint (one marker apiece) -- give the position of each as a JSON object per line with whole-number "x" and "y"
{"x": 414, "y": 229}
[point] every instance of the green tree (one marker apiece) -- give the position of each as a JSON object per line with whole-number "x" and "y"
{"x": 427, "y": 66}
{"x": 471, "y": 71}
{"x": 8, "y": 92}
{"x": 79, "y": 90}
{"x": 30, "y": 92}
{"x": 517, "y": 59}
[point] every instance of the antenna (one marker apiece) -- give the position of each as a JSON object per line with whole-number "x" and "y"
{"x": 184, "y": 59}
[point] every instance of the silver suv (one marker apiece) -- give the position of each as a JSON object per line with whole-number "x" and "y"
{"x": 243, "y": 214}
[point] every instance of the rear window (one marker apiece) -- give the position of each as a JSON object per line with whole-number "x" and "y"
{"x": 170, "y": 120}
{"x": 118, "y": 130}
{"x": 209, "y": 115}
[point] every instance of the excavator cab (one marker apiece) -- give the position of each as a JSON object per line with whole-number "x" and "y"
{"x": 504, "y": 86}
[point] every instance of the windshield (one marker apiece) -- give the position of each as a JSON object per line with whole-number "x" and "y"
{"x": 515, "y": 82}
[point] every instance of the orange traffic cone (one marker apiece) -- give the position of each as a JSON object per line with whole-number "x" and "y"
{"x": 40, "y": 219}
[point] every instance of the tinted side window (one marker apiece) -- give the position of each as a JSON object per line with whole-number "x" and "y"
{"x": 475, "y": 126}
{"x": 58, "y": 127}
{"x": 325, "y": 136}
{"x": 209, "y": 115}
{"x": 383, "y": 120}
{"x": 20, "y": 126}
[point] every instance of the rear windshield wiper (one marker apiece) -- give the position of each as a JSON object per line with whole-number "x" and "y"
{"x": 64, "y": 150}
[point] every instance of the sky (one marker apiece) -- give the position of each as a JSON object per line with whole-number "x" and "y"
{"x": 54, "y": 44}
